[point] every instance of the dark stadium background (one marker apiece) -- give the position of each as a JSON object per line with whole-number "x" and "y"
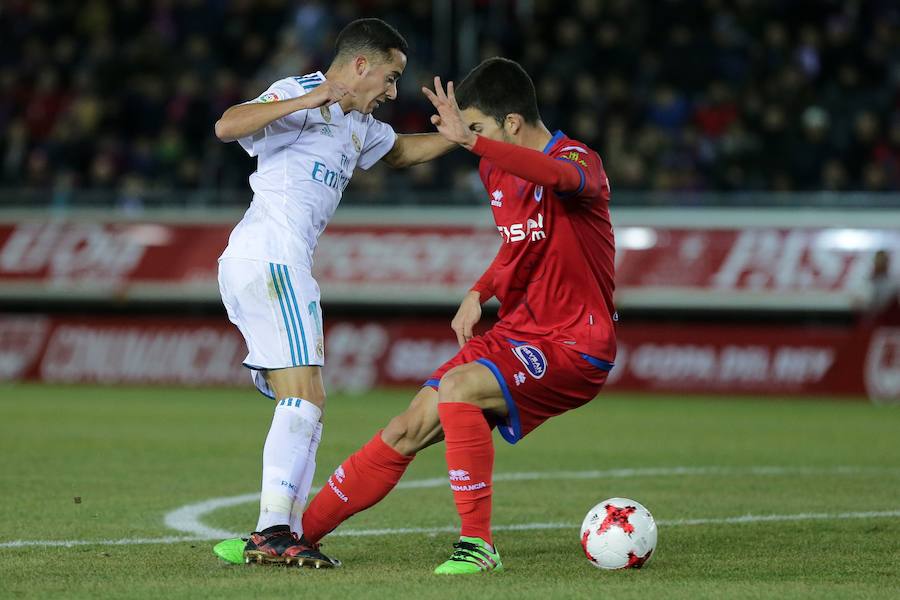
{"x": 745, "y": 116}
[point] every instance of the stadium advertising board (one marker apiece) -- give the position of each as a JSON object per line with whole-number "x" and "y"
{"x": 726, "y": 266}
{"x": 362, "y": 354}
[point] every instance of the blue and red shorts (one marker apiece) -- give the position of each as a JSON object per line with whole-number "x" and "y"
{"x": 539, "y": 380}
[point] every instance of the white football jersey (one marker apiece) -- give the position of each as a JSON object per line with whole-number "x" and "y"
{"x": 305, "y": 160}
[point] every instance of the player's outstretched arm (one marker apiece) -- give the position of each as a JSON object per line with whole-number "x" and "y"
{"x": 242, "y": 120}
{"x": 412, "y": 149}
{"x": 531, "y": 165}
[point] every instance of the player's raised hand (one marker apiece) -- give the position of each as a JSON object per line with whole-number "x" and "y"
{"x": 449, "y": 120}
{"x": 328, "y": 93}
{"x": 466, "y": 318}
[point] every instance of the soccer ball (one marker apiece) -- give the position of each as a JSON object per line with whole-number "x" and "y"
{"x": 618, "y": 533}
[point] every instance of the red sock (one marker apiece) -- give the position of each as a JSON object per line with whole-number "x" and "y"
{"x": 361, "y": 481}
{"x": 470, "y": 460}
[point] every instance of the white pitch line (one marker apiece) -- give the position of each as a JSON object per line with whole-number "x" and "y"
{"x": 187, "y": 519}
{"x": 744, "y": 519}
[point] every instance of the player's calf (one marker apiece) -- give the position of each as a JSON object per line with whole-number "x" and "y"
{"x": 370, "y": 473}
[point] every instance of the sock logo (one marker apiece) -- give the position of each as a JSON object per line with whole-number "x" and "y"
{"x": 337, "y": 491}
{"x": 339, "y": 474}
{"x": 458, "y": 475}
{"x": 533, "y": 359}
{"x": 469, "y": 487}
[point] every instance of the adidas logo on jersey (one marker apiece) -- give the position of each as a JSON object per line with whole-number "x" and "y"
{"x": 326, "y": 130}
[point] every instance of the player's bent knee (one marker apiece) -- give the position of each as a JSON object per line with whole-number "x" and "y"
{"x": 410, "y": 432}
{"x": 455, "y": 387}
{"x": 394, "y": 431}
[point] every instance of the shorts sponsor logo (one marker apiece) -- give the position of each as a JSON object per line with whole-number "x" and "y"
{"x": 269, "y": 97}
{"x": 458, "y": 475}
{"x": 533, "y": 359}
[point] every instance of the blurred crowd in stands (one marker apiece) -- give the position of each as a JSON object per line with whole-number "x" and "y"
{"x": 682, "y": 95}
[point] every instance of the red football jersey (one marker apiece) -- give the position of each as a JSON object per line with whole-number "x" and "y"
{"x": 554, "y": 271}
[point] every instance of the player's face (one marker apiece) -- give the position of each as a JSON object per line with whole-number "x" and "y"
{"x": 378, "y": 83}
{"x": 484, "y": 125}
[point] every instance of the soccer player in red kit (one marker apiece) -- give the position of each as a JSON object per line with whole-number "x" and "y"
{"x": 554, "y": 343}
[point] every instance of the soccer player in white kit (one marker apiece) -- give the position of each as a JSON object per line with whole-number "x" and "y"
{"x": 309, "y": 133}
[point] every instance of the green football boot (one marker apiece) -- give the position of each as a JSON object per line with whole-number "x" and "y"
{"x": 471, "y": 555}
{"x": 231, "y": 550}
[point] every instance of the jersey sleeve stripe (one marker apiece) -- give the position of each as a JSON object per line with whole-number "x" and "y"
{"x": 283, "y": 313}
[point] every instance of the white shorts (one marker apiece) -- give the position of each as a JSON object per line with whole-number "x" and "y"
{"x": 277, "y": 309}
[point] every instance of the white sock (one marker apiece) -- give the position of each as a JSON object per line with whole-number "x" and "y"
{"x": 305, "y": 482}
{"x": 284, "y": 459}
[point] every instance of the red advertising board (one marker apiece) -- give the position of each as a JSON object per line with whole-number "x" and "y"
{"x": 810, "y": 268}
{"x": 361, "y": 354}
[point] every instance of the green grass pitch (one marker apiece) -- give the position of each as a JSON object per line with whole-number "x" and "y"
{"x": 134, "y": 455}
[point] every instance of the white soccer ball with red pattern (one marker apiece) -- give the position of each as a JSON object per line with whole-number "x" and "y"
{"x": 618, "y": 534}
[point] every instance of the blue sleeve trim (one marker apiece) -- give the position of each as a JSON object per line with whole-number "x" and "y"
{"x": 600, "y": 364}
{"x": 580, "y": 185}
{"x": 511, "y": 429}
{"x": 432, "y": 383}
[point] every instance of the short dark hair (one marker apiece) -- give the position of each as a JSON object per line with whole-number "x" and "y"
{"x": 368, "y": 36}
{"x": 498, "y": 87}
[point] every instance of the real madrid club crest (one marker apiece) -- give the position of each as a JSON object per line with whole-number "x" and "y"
{"x": 326, "y": 113}
{"x": 356, "y": 143}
